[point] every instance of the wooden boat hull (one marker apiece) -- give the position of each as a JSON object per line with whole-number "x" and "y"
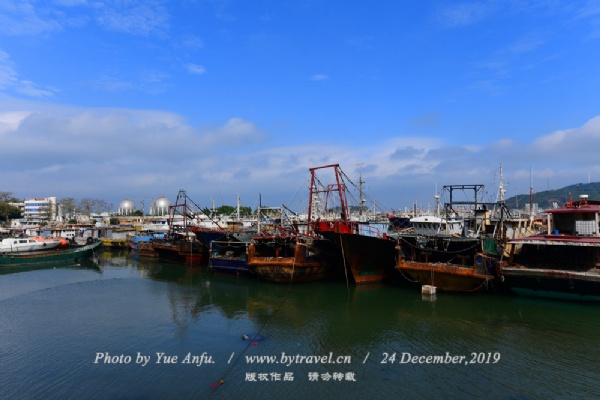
{"x": 285, "y": 270}
{"x": 183, "y": 253}
{"x": 445, "y": 277}
{"x": 452, "y": 264}
{"x": 57, "y": 255}
{"x": 184, "y": 257}
{"x": 231, "y": 266}
{"x": 552, "y": 283}
{"x": 368, "y": 258}
{"x": 229, "y": 257}
{"x": 146, "y": 250}
{"x": 295, "y": 262}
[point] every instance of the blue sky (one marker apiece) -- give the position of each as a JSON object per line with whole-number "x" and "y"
{"x": 138, "y": 99}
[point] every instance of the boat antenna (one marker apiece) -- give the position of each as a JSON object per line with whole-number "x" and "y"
{"x": 501, "y": 190}
{"x": 360, "y": 188}
{"x": 530, "y": 194}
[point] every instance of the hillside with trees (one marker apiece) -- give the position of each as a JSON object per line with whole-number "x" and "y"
{"x": 547, "y": 199}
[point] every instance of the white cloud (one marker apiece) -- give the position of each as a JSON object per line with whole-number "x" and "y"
{"x": 464, "y": 14}
{"x": 55, "y": 150}
{"x": 195, "y": 69}
{"x": 11, "y": 82}
{"x": 24, "y": 18}
{"x": 319, "y": 77}
{"x": 192, "y": 42}
{"x": 140, "y": 18}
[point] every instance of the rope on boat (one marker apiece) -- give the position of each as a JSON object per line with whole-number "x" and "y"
{"x": 344, "y": 259}
{"x": 485, "y": 282}
{"x": 406, "y": 277}
{"x": 436, "y": 250}
{"x": 293, "y": 267}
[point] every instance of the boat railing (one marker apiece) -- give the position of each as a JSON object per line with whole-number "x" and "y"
{"x": 371, "y": 230}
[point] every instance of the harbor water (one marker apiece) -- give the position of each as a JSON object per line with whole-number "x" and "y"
{"x": 127, "y": 328}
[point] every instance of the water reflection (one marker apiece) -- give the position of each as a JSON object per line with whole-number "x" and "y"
{"x": 361, "y": 315}
{"x": 91, "y": 264}
{"x": 129, "y": 305}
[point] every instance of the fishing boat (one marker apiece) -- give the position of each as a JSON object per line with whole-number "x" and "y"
{"x": 291, "y": 257}
{"x": 564, "y": 261}
{"x": 287, "y": 251}
{"x": 181, "y": 244}
{"x": 459, "y": 248}
{"x": 146, "y": 249}
{"x": 180, "y": 247}
{"x": 447, "y": 251}
{"x": 368, "y": 254}
{"x": 141, "y": 244}
{"x": 211, "y": 227}
{"x": 27, "y": 244}
{"x": 229, "y": 254}
{"x": 55, "y": 255}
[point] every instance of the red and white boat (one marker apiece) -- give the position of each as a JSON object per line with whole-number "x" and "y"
{"x": 563, "y": 262}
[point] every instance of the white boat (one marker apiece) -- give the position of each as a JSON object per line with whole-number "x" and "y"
{"x": 436, "y": 226}
{"x": 20, "y": 245}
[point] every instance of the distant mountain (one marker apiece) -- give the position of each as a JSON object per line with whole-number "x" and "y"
{"x": 547, "y": 198}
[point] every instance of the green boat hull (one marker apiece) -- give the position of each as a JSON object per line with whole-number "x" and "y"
{"x": 50, "y": 256}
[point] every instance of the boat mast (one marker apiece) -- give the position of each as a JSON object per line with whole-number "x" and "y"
{"x": 360, "y": 189}
{"x": 501, "y": 190}
{"x": 530, "y": 195}
{"x": 314, "y": 191}
{"x": 259, "y": 213}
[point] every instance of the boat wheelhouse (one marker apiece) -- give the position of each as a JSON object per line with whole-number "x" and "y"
{"x": 564, "y": 261}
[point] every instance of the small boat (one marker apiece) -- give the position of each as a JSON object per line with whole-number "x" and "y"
{"x": 146, "y": 249}
{"x": 141, "y": 244}
{"x": 229, "y": 255}
{"x": 291, "y": 257}
{"x": 28, "y": 244}
{"x": 180, "y": 248}
{"x": 181, "y": 244}
{"x": 564, "y": 261}
{"x": 54, "y": 255}
{"x": 289, "y": 253}
{"x": 451, "y": 277}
